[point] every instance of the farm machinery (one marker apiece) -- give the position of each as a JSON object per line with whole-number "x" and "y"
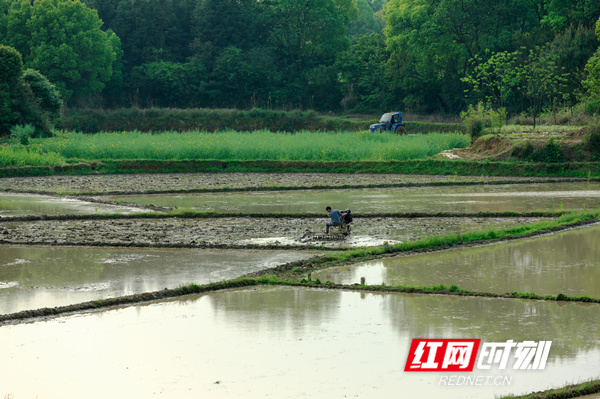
{"x": 391, "y": 121}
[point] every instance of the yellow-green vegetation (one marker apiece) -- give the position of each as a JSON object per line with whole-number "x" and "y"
{"x": 256, "y": 145}
{"x": 508, "y": 129}
{"x": 29, "y": 156}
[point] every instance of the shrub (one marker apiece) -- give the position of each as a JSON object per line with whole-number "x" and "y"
{"x": 592, "y": 106}
{"x": 592, "y": 139}
{"x": 481, "y": 116}
{"x": 523, "y": 150}
{"x": 22, "y": 133}
{"x": 549, "y": 153}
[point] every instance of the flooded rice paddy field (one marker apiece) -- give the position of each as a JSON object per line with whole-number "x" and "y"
{"x": 566, "y": 262}
{"x": 457, "y": 199}
{"x": 32, "y": 204}
{"x": 37, "y": 277}
{"x": 286, "y": 342}
{"x": 283, "y": 341}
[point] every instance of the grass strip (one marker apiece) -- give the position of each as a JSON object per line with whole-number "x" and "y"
{"x": 440, "y": 289}
{"x": 276, "y": 280}
{"x": 569, "y": 391}
{"x": 426, "y": 166}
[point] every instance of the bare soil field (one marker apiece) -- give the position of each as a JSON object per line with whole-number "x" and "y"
{"x": 174, "y": 182}
{"x": 239, "y": 232}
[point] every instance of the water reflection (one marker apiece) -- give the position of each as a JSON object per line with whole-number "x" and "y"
{"x": 286, "y": 342}
{"x": 476, "y": 198}
{"x": 33, "y": 204}
{"x": 567, "y": 262}
{"x": 35, "y": 277}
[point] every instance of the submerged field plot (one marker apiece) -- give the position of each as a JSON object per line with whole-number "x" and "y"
{"x": 566, "y": 262}
{"x": 283, "y": 329}
{"x": 33, "y": 204}
{"x": 265, "y": 341}
{"x": 36, "y": 277}
{"x": 424, "y": 199}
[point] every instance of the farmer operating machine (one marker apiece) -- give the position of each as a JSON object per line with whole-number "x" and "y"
{"x": 391, "y": 121}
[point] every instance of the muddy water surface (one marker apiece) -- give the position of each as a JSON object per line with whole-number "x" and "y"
{"x": 36, "y": 277}
{"x": 494, "y": 198}
{"x": 567, "y": 263}
{"x": 287, "y": 342}
{"x": 33, "y": 204}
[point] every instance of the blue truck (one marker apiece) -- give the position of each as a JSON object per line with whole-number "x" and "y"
{"x": 390, "y": 121}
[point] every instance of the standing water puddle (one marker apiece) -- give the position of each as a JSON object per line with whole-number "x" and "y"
{"x": 36, "y": 277}
{"x": 288, "y": 342}
{"x": 567, "y": 263}
{"x": 467, "y": 199}
{"x": 33, "y": 204}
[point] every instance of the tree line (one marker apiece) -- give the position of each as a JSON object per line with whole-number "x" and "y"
{"x": 361, "y": 55}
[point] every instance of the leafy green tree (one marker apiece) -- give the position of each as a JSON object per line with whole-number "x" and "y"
{"x": 226, "y": 23}
{"x": 543, "y": 82}
{"x": 560, "y": 14}
{"x": 363, "y": 74}
{"x": 170, "y": 84}
{"x": 496, "y": 80}
{"x": 422, "y": 57}
{"x": 26, "y": 96}
{"x": 114, "y": 91}
{"x": 48, "y": 98}
{"x": 592, "y": 67}
{"x": 148, "y": 35}
{"x": 63, "y": 40}
{"x": 365, "y": 23}
{"x": 11, "y": 67}
{"x": 572, "y": 49}
{"x": 307, "y": 33}
{"x": 592, "y": 83}
{"x": 431, "y": 44}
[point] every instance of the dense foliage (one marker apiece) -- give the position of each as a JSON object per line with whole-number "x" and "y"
{"x": 361, "y": 55}
{"x": 62, "y": 39}
{"x": 26, "y": 96}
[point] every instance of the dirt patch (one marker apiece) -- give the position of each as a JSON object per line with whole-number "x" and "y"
{"x": 526, "y": 146}
{"x": 237, "y": 232}
{"x": 182, "y": 182}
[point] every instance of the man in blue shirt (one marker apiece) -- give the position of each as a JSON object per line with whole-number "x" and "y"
{"x": 336, "y": 218}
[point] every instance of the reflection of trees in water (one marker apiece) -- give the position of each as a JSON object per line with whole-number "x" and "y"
{"x": 572, "y": 327}
{"x": 567, "y": 262}
{"x": 278, "y": 308}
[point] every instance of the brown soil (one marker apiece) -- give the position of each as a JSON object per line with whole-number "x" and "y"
{"x": 174, "y": 182}
{"x": 502, "y": 147}
{"x": 233, "y": 232}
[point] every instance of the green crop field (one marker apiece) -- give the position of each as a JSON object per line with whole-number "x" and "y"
{"x": 29, "y": 156}
{"x": 256, "y": 145}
